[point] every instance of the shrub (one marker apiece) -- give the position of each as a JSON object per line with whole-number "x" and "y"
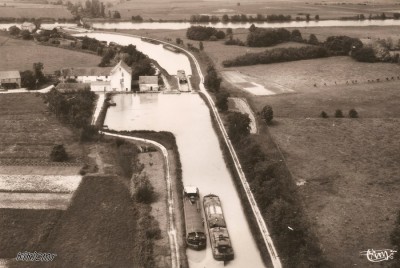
{"x": 365, "y": 54}
{"x": 144, "y": 191}
{"x": 339, "y": 113}
{"x": 238, "y": 126}
{"x": 58, "y": 153}
{"x": 89, "y": 133}
{"x": 222, "y": 100}
{"x": 267, "y": 114}
{"x": 324, "y": 114}
{"x": 353, "y": 113}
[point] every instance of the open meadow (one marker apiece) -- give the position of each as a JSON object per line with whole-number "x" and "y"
{"x": 31, "y": 9}
{"x": 20, "y": 55}
{"x": 179, "y": 10}
{"x": 344, "y": 167}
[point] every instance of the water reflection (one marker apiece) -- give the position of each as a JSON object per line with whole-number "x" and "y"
{"x": 188, "y": 117}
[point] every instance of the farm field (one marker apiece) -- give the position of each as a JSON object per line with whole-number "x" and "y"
{"x": 344, "y": 167}
{"x": 21, "y": 54}
{"x": 180, "y": 10}
{"x": 28, "y": 133}
{"x": 33, "y": 10}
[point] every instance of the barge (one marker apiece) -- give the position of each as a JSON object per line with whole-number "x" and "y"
{"x": 171, "y": 48}
{"x": 149, "y": 40}
{"x": 219, "y": 237}
{"x": 195, "y": 232}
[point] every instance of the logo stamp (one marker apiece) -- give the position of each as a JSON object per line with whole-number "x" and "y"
{"x": 35, "y": 256}
{"x": 378, "y": 255}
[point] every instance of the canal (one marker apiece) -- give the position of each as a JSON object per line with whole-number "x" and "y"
{"x": 203, "y": 165}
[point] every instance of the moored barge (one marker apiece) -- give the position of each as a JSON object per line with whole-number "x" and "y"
{"x": 219, "y": 237}
{"x": 195, "y": 232}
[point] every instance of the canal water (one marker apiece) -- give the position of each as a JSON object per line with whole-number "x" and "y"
{"x": 188, "y": 117}
{"x": 170, "y": 61}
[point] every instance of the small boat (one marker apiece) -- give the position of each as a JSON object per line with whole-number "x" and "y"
{"x": 195, "y": 232}
{"x": 219, "y": 237}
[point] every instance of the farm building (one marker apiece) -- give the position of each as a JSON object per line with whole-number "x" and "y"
{"x": 29, "y": 26}
{"x": 148, "y": 83}
{"x": 10, "y": 79}
{"x": 117, "y": 78}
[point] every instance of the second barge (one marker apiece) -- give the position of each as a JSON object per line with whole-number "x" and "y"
{"x": 195, "y": 232}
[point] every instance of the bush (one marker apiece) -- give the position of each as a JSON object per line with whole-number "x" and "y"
{"x": 267, "y": 114}
{"x": 365, "y": 54}
{"x": 201, "y": 33}
{"x": 58, "y": 153}
{"x": 342, "y": 45}
{"x": 89, "y": 133}
{"x": 222, "y": 100}
{"x": 238, "y": 125}
{"x": 324, "y": 114}
{"x": 339, "y": 113}
{"x": 144, "y": 191}
{"x": 353, "y": 113}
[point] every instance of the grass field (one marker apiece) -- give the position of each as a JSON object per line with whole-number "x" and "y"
{"x": 184, "y": 9}
{"x": 28, "y": 132}
{"x": 348, "y": 166}
{"x": 20, "y": 55}
{"x": 32, "y": 10}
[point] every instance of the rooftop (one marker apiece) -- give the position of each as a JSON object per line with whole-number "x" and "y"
{"x": 9, "y": 74}
{"x": 148, "y": 80}
{"x": 87, "y": 71}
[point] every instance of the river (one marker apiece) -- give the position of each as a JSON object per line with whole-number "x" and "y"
{"x": 203, "y": 165}
{"x": 184, "y": 25}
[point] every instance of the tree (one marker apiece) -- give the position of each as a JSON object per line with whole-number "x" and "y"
{"x": 220, "y": 35}
{"x": 225, "y": 18}
{"x": 307, "y": 17}
{"x": 14, "y": 30}
{"x": 38, "y": 72}
{"x": 201, "y": 46}
{"x": 116, "y": 15}
{"x": 252, "y": 27}
{"x": 353, "y": 113}
{"x": 339, "y": 113}
{"x": 211, "y": 81}
{"x": 296, "y": 36}
{"x": 144, "y": 191}
{"x": 267, "y": 114}
{"x": 28, "y": 79}
{"x": 364, "y": 54}
{"x": 58, "y": 153}
{"x": 179, "y": 41}
{"x": 229, "y": 31}
{"x": 316, "y": 17}
{"x": 222, "y": 100}
{"x": 141, "y": 68}
{"x": 324, "y": 114}
{"x": 313, "y": 40}
{"x": 26, "y": 35}
{"x": 238, "y": 126}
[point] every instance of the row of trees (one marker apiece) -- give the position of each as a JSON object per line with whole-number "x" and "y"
{"x": 239, "y": 18}
{"x": 201, "y": 33}
{"x": 260, "y": 37}
{"x": 276, "y": 196}
{"x": 278, "y": 55}
{"x": 212, "y": 81}
{"x": 339, "y": 114}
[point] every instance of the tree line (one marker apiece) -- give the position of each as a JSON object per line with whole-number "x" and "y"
{"x": 278, "y": 55}
{"x": 202, "y": 33}
{"x": 276, "y": 196}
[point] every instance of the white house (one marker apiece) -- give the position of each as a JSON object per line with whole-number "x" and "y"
{"x": 28, "y": 26}
{"x": 148, "y": 83}
{"x": 10, "y": 79}
{"x": 117, "y": 78}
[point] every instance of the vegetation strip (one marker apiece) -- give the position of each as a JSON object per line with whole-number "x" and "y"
{"x": 171, "y": 223}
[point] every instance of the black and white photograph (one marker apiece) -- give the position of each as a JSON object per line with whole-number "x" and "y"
{"x": 199, "y": 133}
